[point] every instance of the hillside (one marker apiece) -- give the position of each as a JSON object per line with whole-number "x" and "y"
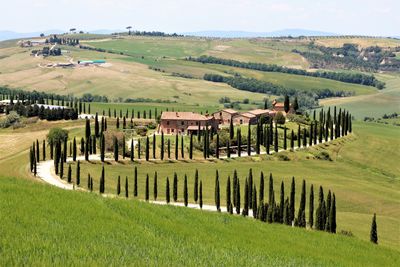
{"x": 48, "y": 226}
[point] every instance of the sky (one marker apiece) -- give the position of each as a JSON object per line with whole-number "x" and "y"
{"x": 364, "y": 17}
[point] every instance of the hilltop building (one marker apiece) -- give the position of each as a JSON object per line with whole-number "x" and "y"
{"x": 186, "y": 122}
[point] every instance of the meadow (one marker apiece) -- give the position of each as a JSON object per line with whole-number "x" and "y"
{"x": 47, "y": 226}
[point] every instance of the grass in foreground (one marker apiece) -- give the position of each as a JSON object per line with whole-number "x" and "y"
{"x": 48, "y": 226}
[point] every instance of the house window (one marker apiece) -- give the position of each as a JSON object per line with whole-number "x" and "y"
{"x": 182, "y": 123}
{"x": 172, "y": 130}
{"x": 241, "y": 121}
{"x": 167, "y": 122}
{"x": 220, "y": 113}
{"x": 197, "y": 123}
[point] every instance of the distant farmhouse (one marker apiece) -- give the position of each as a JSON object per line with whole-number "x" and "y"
{"x": 190, "y": 122}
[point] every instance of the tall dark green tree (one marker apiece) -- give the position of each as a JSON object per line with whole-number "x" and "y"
{"x": 132, "y": 151}
{"x": 228, "y": 193}
{"x": 374, "y": 230}
{"x": 147, "y": 189}
{"x": 154, "y": 146}
{"x": 249, "y": 140}
{"x": 261, "y": 193}
{"x": 245, "y": 210}
{"x": 282, "y": 202}
{"x": 135, "y": 183}
{"x": 185, "y": 192}
{"x": 162, "y": 146}
{"x": 167, "y": 194}
{"x": 239, "y": 141}
{"x": 74, "y": 150}
{"x": 176, "y": 146}
{"x": 270, "y": 189}
{"x": 78, "y": 173}
{"x": 169, "y": 148}
{"x": 175, "y": 187}
{"x": 217, "y": 192}
{"x": 332, "y": 215}
{"x": 182, "y": 148}
{"x": 123, "y": 146}
{"x": 276, "y": 141}
{"x": 301, "y": 220}
{"x": 311, "y": 208}
{"x": 196, "y": 186}
{"x": 102, "y": 180}
{"x": 286, "y": 104}
{"x": 237, "y": 198}
{"x": 201, "y": 195}
{"x": 292, "y": 200}
{"x": 96, "y": 125}
{"x": 69, "y": 179}
{"x": 126, "y": 187}
{"x": 191, "y": 146}
{"x": 254, "y": 202}
{"x": 217, "y": 147}
{"x": 87, "y": 129}
{"x": 119, "y": 185}
{"x": 115, "y": 143}
{"x": 155, "y": 186}
{"x": 147, "y": 148}
{"x": 231, "y": 129}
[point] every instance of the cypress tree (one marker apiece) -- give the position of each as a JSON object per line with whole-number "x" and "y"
{"x": 117, "y": 123}
{"x": 132, "y": 151}
{"x": 374, "y": 231}
{"x": 270, "y": 189}
{"x": 126, "y": 187}
{"x": 231, "y": 129}
{"x": 124, "y": 123}
{"x": 175, "y": 192}
{"x": 154, "y": 146}
{"x": 239, "y": 141}
{"x": 196, "y": 185}
{"x": 34, "y": 167}
{"x": 261, "y": 194}
{"x": 237, "y": 204}
{"x": 254, "y": 202}
{"x": 162, "y": 146}
{"x": 102, "y": 147}
{"x": 276, "y": 138}
{"x": 182, "y": 148}
{"x": 298, "y": 137}
{"x": 332, "y": 215}
{"x": 300, "y": 219}
{"x": 217, "y": 192}
{"x": 267, "y": 141}
{"x": 87, "y": 128}
{"x": 139, "y": 149}
{"x": 311, "y": 209}
{"x": 250, "y": 184}
{"x": 44, "y": 149}
{"x": 327, "y": 211}
{"x": 310, "y": 140}
{"x": 167, "y": 194}
{"x": 185, "y": 191}
{"x": 216, "y": 147}
{"x": 284, "y": 138}
{"x": 176, "y": 146}
{"x": 245, "y": 211}
{"x": 135, "y": 184}
{"x": 65, "y": 150}
{"x": 319, "y": 223}
{"x": 74, "y": 150}
{"x": 235, "y": 179}
{"x": 304, "y": 137}
{"x": 69, "y": 174}
{"x": 228, "y": 149}
{"x": 282, "y": 202}
{"x": 292, "y": 200}
{"x": 147, "y": 148}
{"x": 123, "y": 146}
{"x": 292, "y": 141}
{"x": 201, "y": 195}
{"x": 119, "y": 185}
{"x": 88, "y": 181}
{"x": 191, "y": 146}
{"x": 147, "y": 188}
{"x": 96, "y": 126}
{"x": 228, "y": 193}
{"x": 115, "y": 141}
{"x": 78, "y": 173}
{"x": 249, "y": 140}
{"x": 61, "y": 166}
{"x": 102, "y": 181}
{"x": 258, "y": 139}
{"x": 286, "y": 215}
{"x": 155, "y": 186}
{"x": 169, "y": 148}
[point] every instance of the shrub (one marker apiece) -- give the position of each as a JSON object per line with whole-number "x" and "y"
{"x": 57, "y": 135}
{"x": 9, "y": 120}
{"x": 109, "y": 140}
{"x": 280, "y": 118}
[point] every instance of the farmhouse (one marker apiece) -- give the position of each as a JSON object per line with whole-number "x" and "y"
{"x": 280, "y": 106}
{"x": 225, "y": 116}
{"x": 186, "y": 122}
{"x": 245, "y": 118}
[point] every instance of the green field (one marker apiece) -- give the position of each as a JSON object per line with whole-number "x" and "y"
{"x": 48, "y": 226}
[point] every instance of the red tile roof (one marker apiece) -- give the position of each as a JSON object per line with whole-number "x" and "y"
{"x": 189, "y": 116}
{"x": 259, "y": 111}
{"x": 247, "y": 115}
{"x": 229, "y": 110}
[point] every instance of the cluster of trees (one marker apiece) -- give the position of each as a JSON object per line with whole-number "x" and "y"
{"x": 47, "y": 52}
{"x": 152, "y": 33}
{"x": 357, "y": 78}
{"x": 350, "y": 56}
{"x": 32, "y": 97}
{"x": 254, "y": 85}
{"x": 54, "y": 39}
{"x": 42, "y": 112}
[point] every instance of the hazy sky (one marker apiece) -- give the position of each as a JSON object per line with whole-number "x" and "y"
{"x": 369, "y": 17}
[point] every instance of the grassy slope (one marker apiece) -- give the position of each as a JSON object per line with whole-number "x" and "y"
{"x": 48, "y": 226}
{"x": 374, "y": 105}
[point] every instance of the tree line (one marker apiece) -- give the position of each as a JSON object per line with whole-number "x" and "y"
{"x": 357, "y": 78}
